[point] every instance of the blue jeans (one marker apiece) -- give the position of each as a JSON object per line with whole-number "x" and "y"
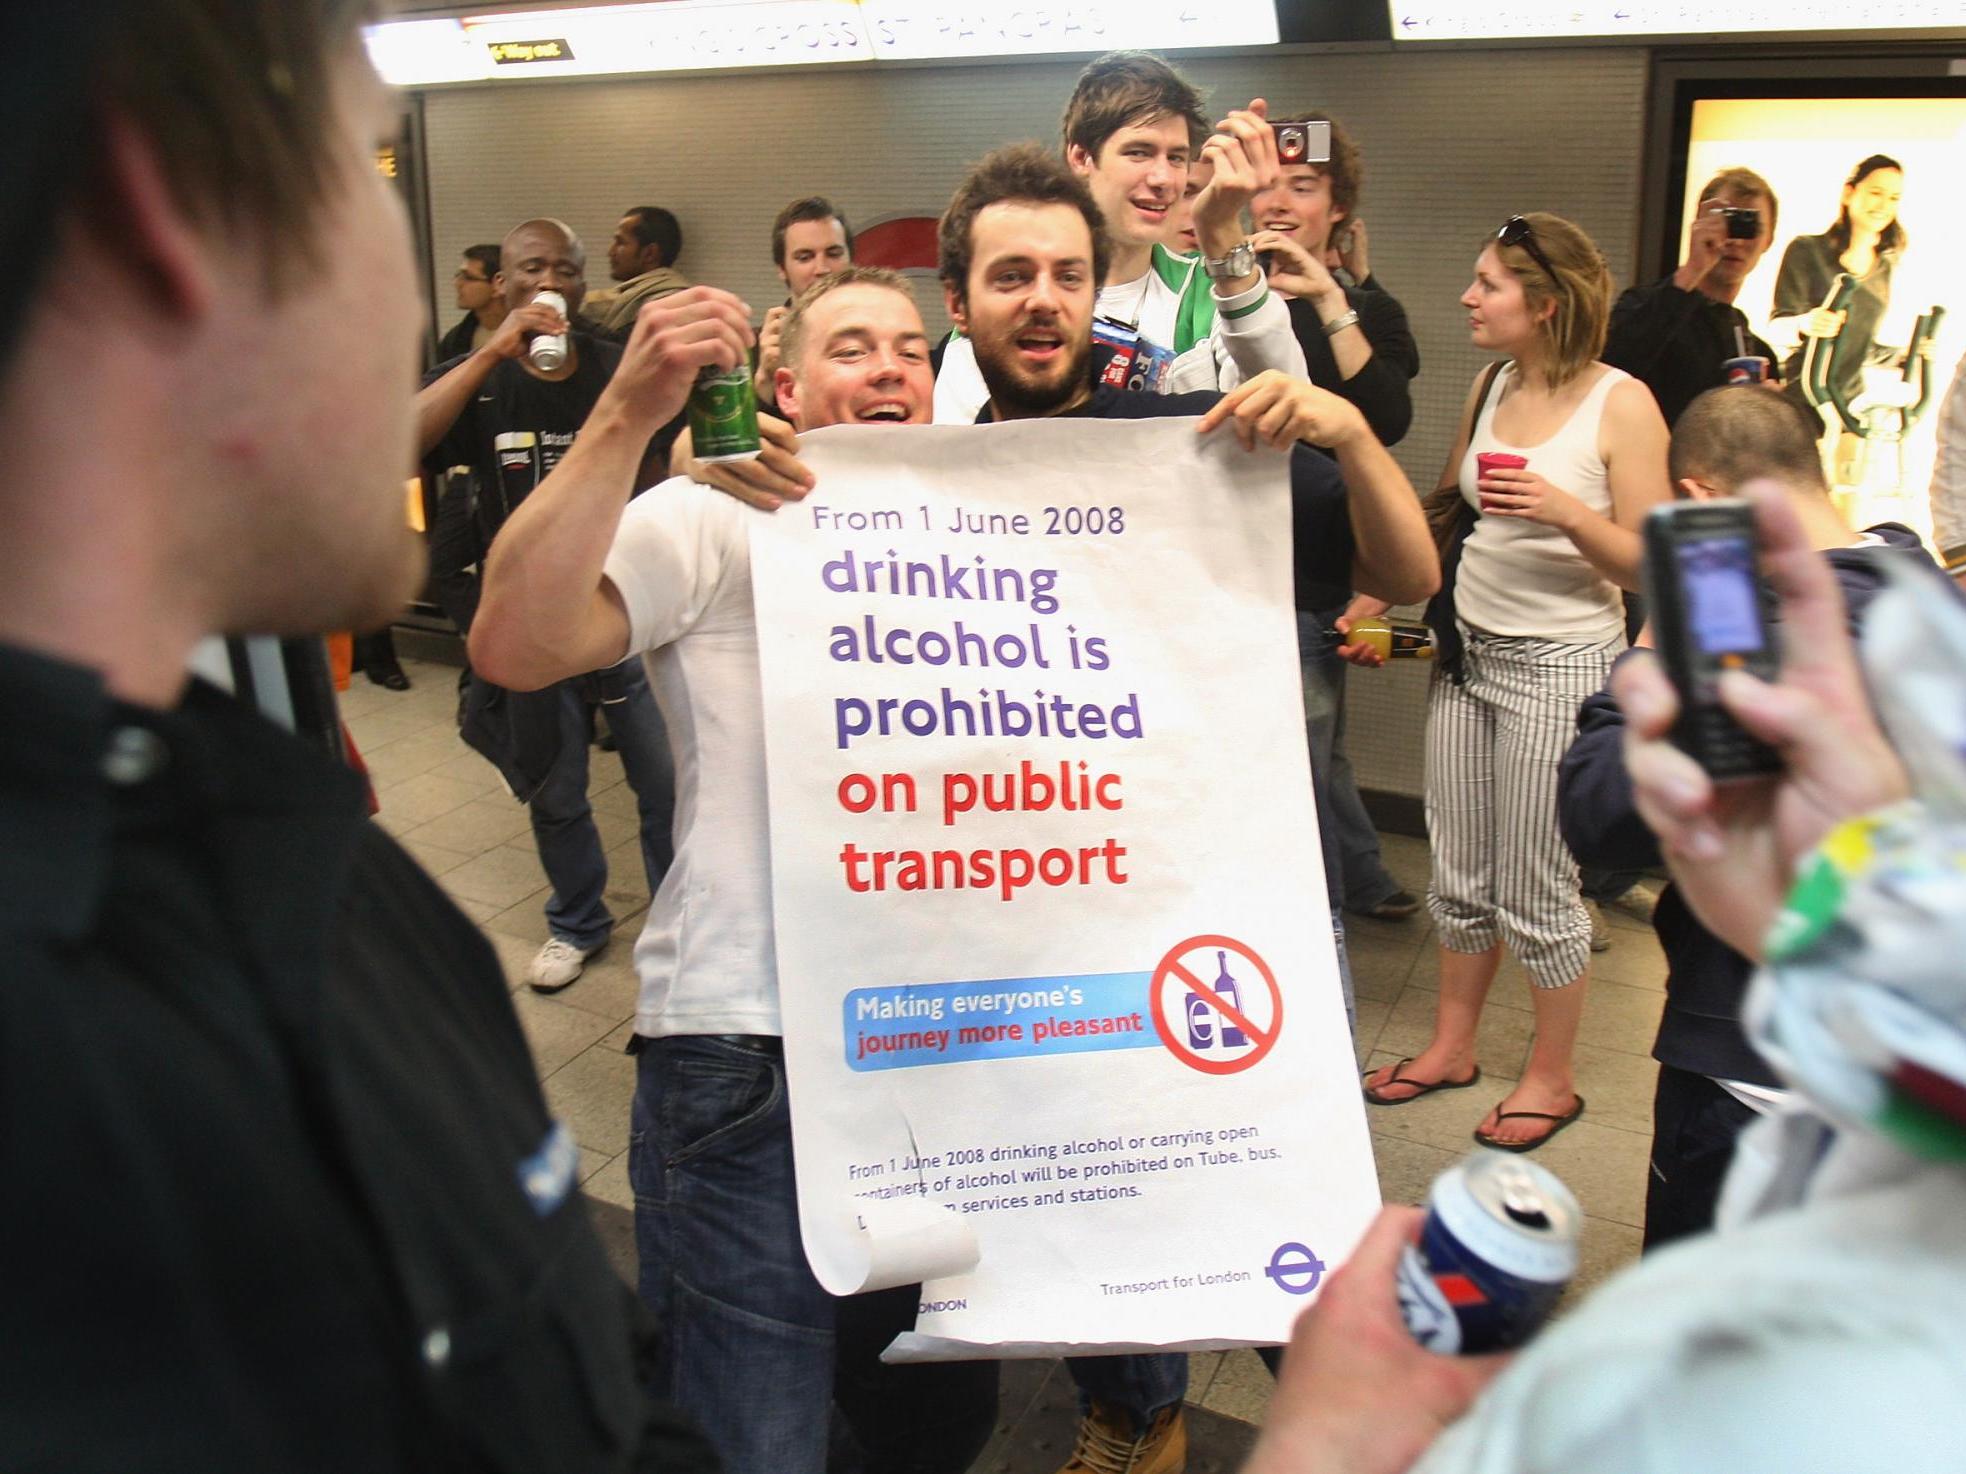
{"x": 1139, "y": 1385}
{"x": 1351, "y": 842}
{"x": 562, "y": 820}
{"x": 751, "y": 1346}
{"x": 1341, "y": 821}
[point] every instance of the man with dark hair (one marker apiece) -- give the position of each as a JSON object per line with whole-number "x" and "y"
{"x": 809, "y": 239}
{"x": 511, "y": 421}
{"x": 1167, "y": 322}
{"x": 484, "y": 308}
{"x": 1357, "y": 344}
{"x": 642, "y": 259}
{"x": 287, "y": 1195}
{"x": 1676, "y": 335}
{"x": 1021, "y": 253}
{"x": 583, "y": 575}
{"x": 1712, "y": 1083}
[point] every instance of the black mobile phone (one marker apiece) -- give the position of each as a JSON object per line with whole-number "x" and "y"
{"x": 1303, "y": 141}
{"x": 1743, "y": 223}
{"x": 1710, "y": 615}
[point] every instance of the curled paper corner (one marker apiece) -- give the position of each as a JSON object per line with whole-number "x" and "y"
{"x": 902, "y": 1241}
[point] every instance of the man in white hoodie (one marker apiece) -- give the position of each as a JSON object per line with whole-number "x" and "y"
{"x": 1133, "y": 130}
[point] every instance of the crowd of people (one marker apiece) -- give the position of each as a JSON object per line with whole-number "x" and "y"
{"x": 291, "y": 1197}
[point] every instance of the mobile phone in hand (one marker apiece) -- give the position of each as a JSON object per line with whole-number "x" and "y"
{"x": 1710, "y": 615}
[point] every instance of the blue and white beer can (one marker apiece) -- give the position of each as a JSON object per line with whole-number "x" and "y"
{"x": 1497, "y": 1249}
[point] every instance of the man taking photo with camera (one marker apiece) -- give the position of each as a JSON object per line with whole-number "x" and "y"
{"x": 1678, "y": 335}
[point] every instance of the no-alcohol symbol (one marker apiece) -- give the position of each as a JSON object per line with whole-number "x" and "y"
{"x": 1226, "y": 1023}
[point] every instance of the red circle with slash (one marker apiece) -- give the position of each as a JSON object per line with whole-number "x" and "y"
{"x": 1171, "y": 977}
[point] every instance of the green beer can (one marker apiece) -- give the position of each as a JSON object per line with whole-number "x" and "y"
{"x": 723, "y": 414}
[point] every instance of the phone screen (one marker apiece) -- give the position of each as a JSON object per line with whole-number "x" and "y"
{"x": 1722, "y": 600}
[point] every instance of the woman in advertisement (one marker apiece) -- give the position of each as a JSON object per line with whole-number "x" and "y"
{"x": 1561, "y": 456}
{"x": 1865, "y": 243}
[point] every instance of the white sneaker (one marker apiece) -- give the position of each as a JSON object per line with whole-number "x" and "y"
{"x": 1600, "y": 933}
{"x": 559, "y": 962}
{"x": 1638, "y": 903}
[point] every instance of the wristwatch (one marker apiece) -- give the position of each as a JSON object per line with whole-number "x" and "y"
{"x": 1339, "y": 323}
{"x": 1240, "y": 261}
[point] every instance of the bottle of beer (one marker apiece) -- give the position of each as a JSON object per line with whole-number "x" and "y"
{"x": 1392, "y": 641}
{"x": 1226, "y": 990}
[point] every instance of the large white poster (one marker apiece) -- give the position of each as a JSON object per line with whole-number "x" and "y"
{"x": 1062, "y": 1018}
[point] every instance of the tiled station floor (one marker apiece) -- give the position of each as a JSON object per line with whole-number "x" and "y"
{"x": 448, "y": 807}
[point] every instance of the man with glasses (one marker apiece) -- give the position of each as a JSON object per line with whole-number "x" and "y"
{"x": 510, "y": 421}
{"x": 484, "y": 308}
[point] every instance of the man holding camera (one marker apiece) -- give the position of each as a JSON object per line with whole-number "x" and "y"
{"x": 1133, "y": 130}
{"x": 1683, "y": 335}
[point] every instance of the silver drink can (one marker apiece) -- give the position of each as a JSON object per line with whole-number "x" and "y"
{"x": 1497, "y": 1249}
{"x": 548, "y": 351}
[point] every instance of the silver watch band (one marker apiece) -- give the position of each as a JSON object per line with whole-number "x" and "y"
{"x": 1339, "y": 323}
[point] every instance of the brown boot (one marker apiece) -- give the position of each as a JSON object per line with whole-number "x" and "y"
{"x": 1107, "y": 1443}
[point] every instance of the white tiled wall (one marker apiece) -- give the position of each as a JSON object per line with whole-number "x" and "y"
{"x": 1453, "y": 143}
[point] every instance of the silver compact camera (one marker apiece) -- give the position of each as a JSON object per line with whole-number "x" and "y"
{"x": 1304, "y": 141}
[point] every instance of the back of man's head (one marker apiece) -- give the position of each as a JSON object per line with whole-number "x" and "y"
{"x": 1022, "y": 173}
{"x": 813, "y": 207}
{"x": 233, "y": 97}
{"x": 1744, "y": 432}
{"x": 655, "y": 226}
{"x": 1129, "y": 87}
{"x": 218, "y": 156}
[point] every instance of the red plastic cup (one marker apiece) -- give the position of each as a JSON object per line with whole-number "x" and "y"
{"x": 1489, "y": 461}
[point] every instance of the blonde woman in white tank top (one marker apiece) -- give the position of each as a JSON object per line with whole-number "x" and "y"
{"x": 1538, "y": 605}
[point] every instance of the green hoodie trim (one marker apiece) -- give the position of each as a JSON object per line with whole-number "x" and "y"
{"x": 1194, "y": 319}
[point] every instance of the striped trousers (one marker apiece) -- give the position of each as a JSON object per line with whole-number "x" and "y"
{"x": 1501, "y": 871}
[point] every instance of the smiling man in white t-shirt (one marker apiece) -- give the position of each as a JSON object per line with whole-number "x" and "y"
{"x": 580, "y": 574}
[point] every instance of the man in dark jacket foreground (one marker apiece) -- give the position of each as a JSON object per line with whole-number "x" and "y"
{"x": 1711, "y": 1082}
{"x": 284, "y": 1193}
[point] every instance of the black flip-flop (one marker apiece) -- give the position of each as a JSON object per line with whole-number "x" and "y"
{"x": 1528, "y": 1146}
{"x": 1422, "y": 1087}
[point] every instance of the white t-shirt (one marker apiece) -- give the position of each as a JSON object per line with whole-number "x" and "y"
{"x": 1519, "y": 577}
{"x": 682, "y": 563}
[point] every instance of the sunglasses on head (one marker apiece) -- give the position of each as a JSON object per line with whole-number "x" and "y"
{"x": 1515, "y": 231}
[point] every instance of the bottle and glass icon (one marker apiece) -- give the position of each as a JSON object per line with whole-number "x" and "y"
{"x": 1203, "y": 1028}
